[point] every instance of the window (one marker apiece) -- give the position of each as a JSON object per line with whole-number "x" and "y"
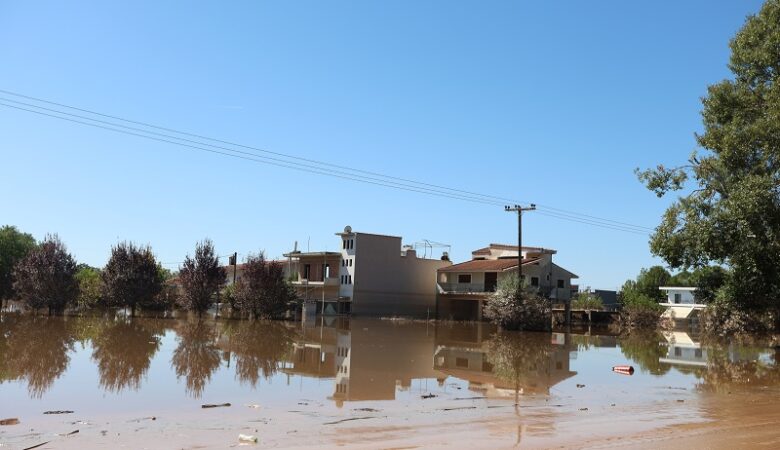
{"x": 350, "y": 262}
{"x": 349, "y": 279}
{"x": 677, "y": 351}
{"x": 306, "y": 271}
{"x": 677, "y": 298}
{"x": 561, "y": 283}
{"x": 535, "y": 281}
{"x": 462, "y": 362}
{"x": 464, "y": 278}
{"x": 344, "y": 244}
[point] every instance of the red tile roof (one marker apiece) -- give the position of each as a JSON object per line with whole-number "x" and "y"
{"x": 487, "y": 265}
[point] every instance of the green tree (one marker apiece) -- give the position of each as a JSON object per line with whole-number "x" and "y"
{"x": 45, "y": 278}
{"x": 132, "y": 278}
{"x": 90, "y": 286}
{"x": 14, "y": 245}
{"x": 649, "y": 280}
{"x": 201, "y": 278}
{"x": 732, "y": 214}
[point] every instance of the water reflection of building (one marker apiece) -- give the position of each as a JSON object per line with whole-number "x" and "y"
{"x": 683, "y": 350}
{"x": 531, "y": 363}
{"x": 367, "y": 360}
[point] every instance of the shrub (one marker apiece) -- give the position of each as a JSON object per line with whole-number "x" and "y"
{"x": 639, "y": 311}
{"x": 588, "y": 301}
{"x": 724, "y": 318}
{"x": 514, "y": 309}
{"x": 14, "y": 246}
{"x": 45, "y": 277}
{"x": 90, "y": 286}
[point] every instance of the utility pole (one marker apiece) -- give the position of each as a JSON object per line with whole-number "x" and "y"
{"x": 233, "y": 262}
{"x": 519, "y": 210}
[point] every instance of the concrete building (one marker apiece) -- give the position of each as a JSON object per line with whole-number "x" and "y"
{"x": 681, "y": 303}
{"x": 379, "y": 277}
{"x": 315, "y": 278}
{"x": 463, "y": 288}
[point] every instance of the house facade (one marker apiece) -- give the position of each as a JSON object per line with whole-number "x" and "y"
{"x": 314, "y": 275}
{"x": 380, "y": 277}
{"x": 681, "y": 302}
{"x": 464, "y": 287}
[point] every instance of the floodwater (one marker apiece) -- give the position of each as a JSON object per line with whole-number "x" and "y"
{"x": 361, "y": 383}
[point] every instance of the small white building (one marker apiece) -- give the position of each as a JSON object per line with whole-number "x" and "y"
{"x": 681, "y": 302}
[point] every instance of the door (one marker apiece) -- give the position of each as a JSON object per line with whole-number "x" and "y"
{"x": 491, "y": 281}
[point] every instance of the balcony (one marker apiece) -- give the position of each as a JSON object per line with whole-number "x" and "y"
{"x": 462, "y": 288}
{"x": 332, "y": 281}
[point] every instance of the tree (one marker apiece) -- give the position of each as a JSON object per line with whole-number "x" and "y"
{"x": 45, "y": 277}
{"x": 262, "y": 291}
{"x": 513, "y": 308}
{"x": 132, "y": 278}
{"x": 732, "y": 214}
{"x": 649, "y": 280}
{"x": 201, "y": 278}
{"x": 14, "y": 245}
{"x": 90, "y": 286}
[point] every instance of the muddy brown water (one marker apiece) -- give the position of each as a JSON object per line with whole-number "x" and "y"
{"x": 363, "y": 383}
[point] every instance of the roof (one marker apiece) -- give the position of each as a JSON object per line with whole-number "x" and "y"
{"x": 487, "y": 265}
{"x": 303, "y": 254}
{"x": 486, "y": 250}
{"x": 676, "y": 288}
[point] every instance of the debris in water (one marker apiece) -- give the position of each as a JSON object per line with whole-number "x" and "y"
{"x": 426, "y": 396}
{"x": 11, "y": 421}
{"x": 583, "y": 409}
{"x": 580, "y": 386}
{"x": 680, "y": 401}
{"x": 57, "y": 412}
{"x": 247, "y": 438}
{"x": 253, "y": 405}
{"x": 219, "y": 405}
{"x": 36, "y": 446}
{"x": 347, "y": 420}
{"x": 624, "y": 370}
{"x": 366, "y": 409}
{"x": 69, "y": 434}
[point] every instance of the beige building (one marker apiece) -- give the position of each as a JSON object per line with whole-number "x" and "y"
{"x": 315, "y": 278}
{"x": 463, "y": 288}
{"x": 379, "y": 277}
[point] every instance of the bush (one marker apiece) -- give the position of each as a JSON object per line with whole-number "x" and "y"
{"x": 639, "y": 311}
{"x": 45, "y": 277}
{"x": 724, "y": 318}
{"x": 588, "y": 301}
{"x": 90, "y": 286}
{"x": 14, "y": 246}
{"x": 514, "y": 309}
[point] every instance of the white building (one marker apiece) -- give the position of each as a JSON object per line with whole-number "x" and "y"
{"x": 681, "y": 302}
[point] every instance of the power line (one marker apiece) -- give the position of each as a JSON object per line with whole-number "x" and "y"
{"x": 346, "y": 172}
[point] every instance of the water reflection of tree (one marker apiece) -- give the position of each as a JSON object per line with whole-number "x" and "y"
{"x": 123, "y": 351}
{"x": 646, "y": 349}
{"x": 522, "y": 359}
{"x": 730, "y": 366}
{"x": 197, "y": 355}
{"x": 258, "y": 347}
{"x": 34, "y": 349}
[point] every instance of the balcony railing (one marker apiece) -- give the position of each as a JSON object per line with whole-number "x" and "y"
{"x": 452, "y": 288}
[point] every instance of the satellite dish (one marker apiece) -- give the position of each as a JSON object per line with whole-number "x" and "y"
{"x": 347, "y": 229}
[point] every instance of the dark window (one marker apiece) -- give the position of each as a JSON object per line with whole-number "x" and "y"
{"x": 698, "y": 353}
{"x": 677, "y": 298}
{"x": 677, "y": 351}
{"x": 344, "y": 244}
{"x": 306, "y": 271}
{"x": 561, "y": 283}
{"x": 462, "y": 362}
{"x": 464, "y": 278}
{"x": 349, "y": 279}
{"x": 535, "y": 281}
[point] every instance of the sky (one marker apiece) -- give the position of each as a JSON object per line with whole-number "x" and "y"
{"x": 548, "y": 102}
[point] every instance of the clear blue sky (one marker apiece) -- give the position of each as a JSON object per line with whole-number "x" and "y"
{"x": 550, "y": 102}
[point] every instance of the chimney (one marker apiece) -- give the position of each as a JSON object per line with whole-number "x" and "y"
{"x": 445, "y": 256}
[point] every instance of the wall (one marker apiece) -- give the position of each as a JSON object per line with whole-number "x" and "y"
{"x": 386, "y": 283}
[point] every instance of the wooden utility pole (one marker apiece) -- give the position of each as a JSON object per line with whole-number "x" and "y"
{"x": 519, "y": 210}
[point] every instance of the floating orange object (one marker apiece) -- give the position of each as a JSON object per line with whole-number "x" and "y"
{"x": 624, "y": 370}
